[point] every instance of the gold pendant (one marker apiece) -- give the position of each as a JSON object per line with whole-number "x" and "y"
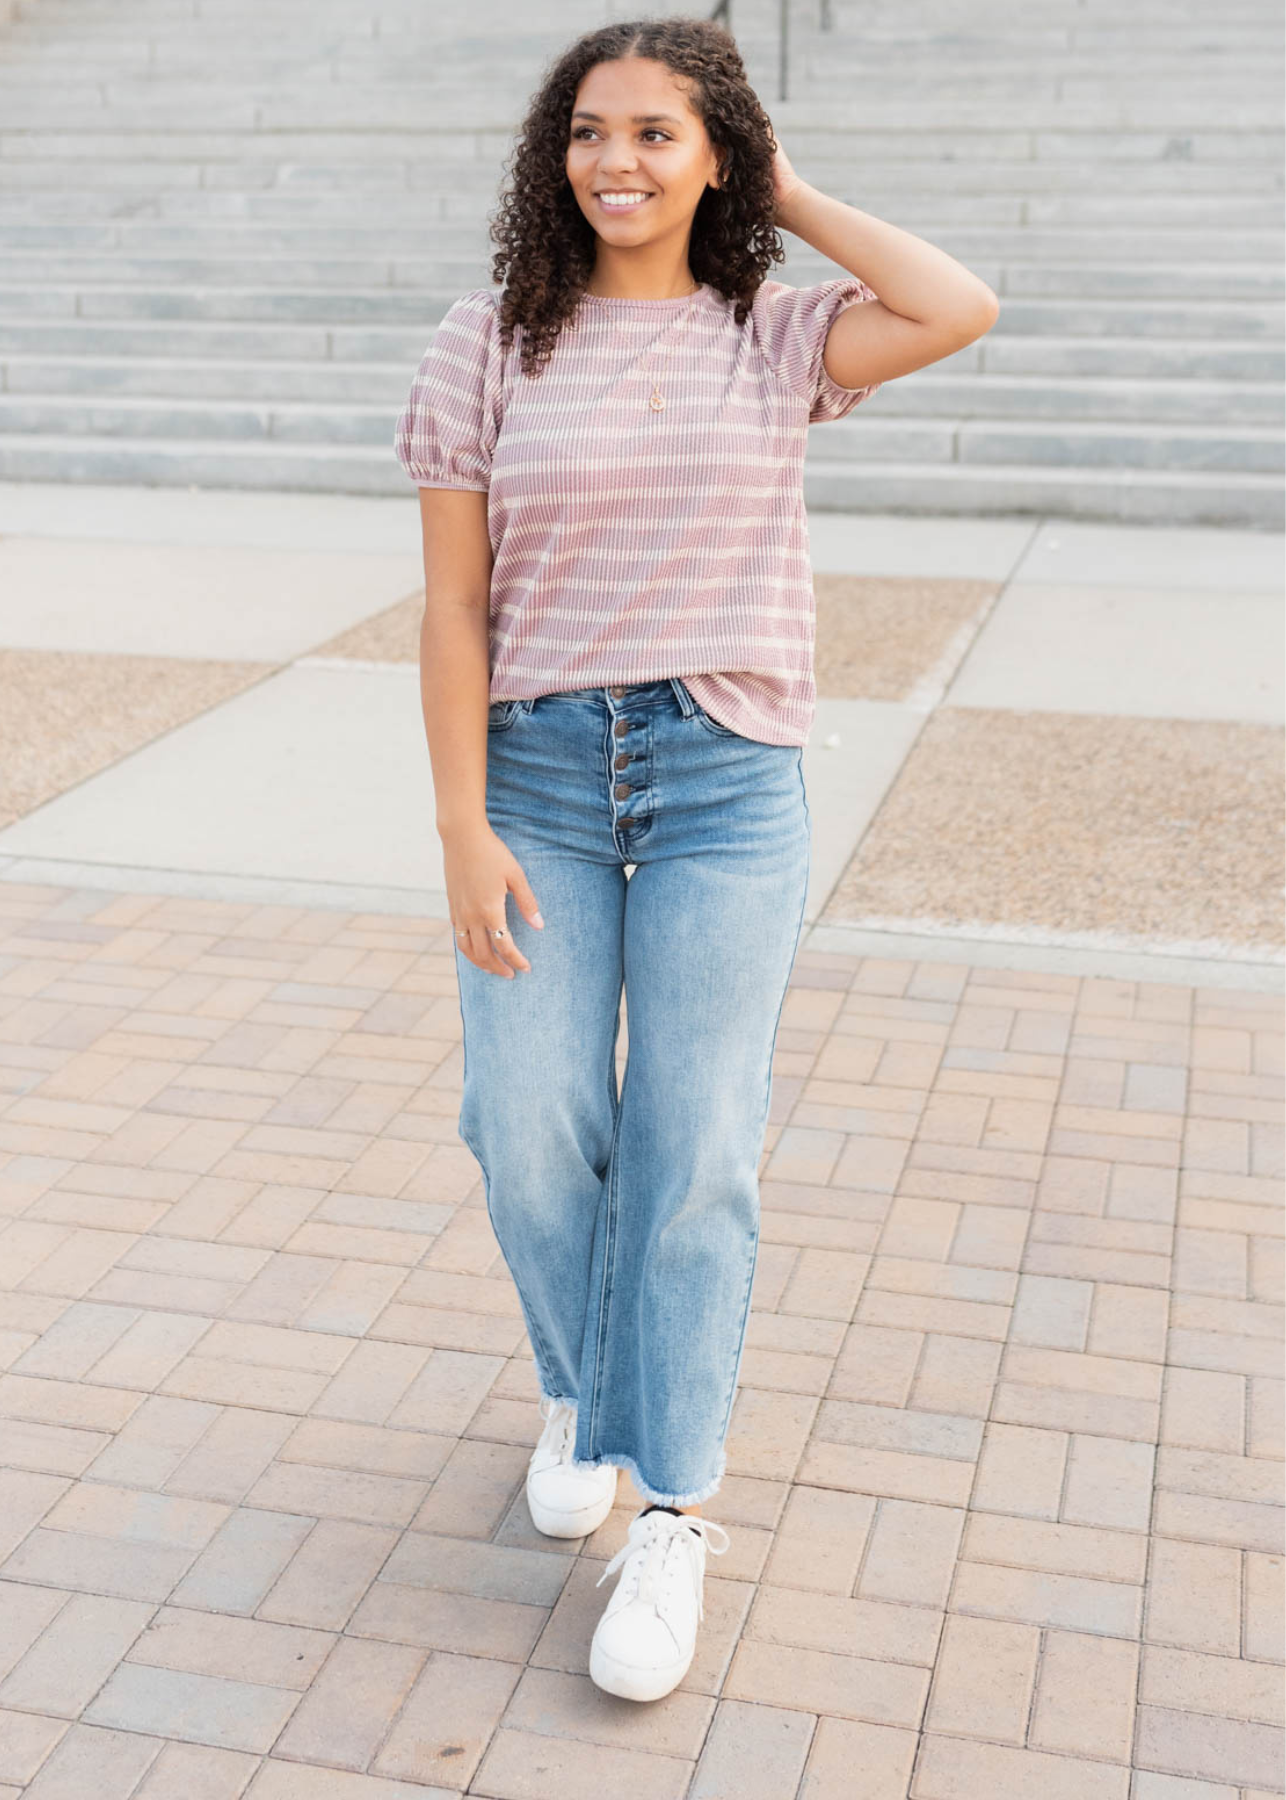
{"x": 656, "y": 402}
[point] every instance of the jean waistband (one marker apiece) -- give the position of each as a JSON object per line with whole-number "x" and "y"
{"x": 617, "y": 694}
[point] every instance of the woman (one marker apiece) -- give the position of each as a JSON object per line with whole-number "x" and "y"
{"x": 609, "y": 455}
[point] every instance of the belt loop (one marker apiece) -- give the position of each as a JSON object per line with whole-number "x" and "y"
{"x": 686, "y": 703}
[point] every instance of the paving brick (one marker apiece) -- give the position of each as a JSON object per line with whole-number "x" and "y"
{"x": 338, "y": 1494}
{"x": 490, "y": 1571}
{"x": 1204, "y": 1409}
{"x": 25, "y": 1742}
{"x": 1021, "y": 1470}
{"x": 883, "y": 1754}
{"x": 819, "y": 1543}
{"x": 281, "y": 1290}
{"x": 127, "y": 1569}
{"x": 24, "y": 1614}
{"x": 371, "y": 1383}
{"x": 63, "y": 1671}
{"x": 1061, "y": 1548}
{"x": 79, "y": 1263}
{"x": 244, "y": 1385}
{"x": 200, "y": 1709}
{"x": 250, "y": 1650}
{"x": 106, "y": 1764}
{"x": 1265, "y": 1625}
{"x": 950, "y": 1767}
{"x": 522, "y": 1765}
{"x": 196, "y": 1772}
{"x": 912, "y": 1553}
{"x": 460, "y": 1623}
{"x": 302, "y": 1781}
{"x": 887, "y": 1472}
{"x": 1219, "y": 1521}
{"x": 1073, "y": 1666}
{"x": 755, "y": 1752}
{"x": 818, "y": 1681}
{"x": 71, "y": 1346}
{"x": 1194, "y": 1596}
{"x": 346, "y": 1714}
{"x": 231, "y": 1455}
{"x": 448, "y": 1720}
{"x": 417, "y": 1455}
{"x": 1190, "y": 1681}
{"x": 149, "y": 1350}
{"x": 561, "y": 1703}
{"x": 474, "y": 1490}
{"x": 25, "y": 1499}
{"x": 239, "y": 1566}
{"x": 352, "y": 1297}
{"x": 49, "y": 1449}
{"x": 130, "y": 1513}
{"x": 1206, "y": 1746}
{"x": 984, "y": 1680}
{"x": 1037, "y": 1598}
{"x": 329, "y": 1575}
{"x": 50, "y": 1402}
{"x": 874, "y": 1628}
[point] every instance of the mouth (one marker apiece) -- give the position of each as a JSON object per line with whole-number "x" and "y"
{"x": 632, "y": 204}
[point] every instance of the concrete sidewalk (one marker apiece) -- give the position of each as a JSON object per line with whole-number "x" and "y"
{"x": 1005, "y": 1470}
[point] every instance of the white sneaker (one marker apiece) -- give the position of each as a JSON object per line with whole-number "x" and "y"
{"x": 566, "y": 1499}
{"x": 645, "y": 1639}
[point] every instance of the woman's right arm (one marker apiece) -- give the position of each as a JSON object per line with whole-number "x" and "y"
{"x": 455, "y": 687}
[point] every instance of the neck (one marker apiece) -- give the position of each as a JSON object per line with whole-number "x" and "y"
{"x": 611, "y": 281}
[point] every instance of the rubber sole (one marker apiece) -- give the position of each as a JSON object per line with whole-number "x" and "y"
{"x": 634, "y": 1684}
{"x": 570, "y": 1524}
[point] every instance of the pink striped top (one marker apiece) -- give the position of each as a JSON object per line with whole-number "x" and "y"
{"x": 630, "y": 544}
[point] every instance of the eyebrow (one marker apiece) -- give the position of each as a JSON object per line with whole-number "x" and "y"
{"x": 638, "y": 119}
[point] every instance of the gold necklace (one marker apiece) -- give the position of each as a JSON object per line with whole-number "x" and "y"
{"x": 656, "y": 400}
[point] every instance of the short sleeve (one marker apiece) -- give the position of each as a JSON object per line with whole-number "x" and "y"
{"x": 793, "y": 327}
{"x": 448, "y": 427}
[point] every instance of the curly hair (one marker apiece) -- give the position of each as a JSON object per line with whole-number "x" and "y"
{"x": 547, "y": 253}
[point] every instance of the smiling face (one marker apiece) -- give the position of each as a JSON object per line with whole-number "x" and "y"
{"x": 638, "y": 157}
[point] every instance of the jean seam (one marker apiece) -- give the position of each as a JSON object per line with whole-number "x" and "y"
{"x": 610, "y": 1202}
{"x": 781, "y": 1005}
{"x": 545, "y": 1364}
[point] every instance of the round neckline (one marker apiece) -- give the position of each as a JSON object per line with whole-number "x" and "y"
{"x": 620, "y": 303}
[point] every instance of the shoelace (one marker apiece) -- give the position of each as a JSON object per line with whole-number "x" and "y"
{"x": 564, "y": 1442}
{"x": 655, "y": 1546}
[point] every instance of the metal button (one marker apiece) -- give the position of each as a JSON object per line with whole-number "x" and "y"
{"x": 623, "y": 762}
{"x": 617, "y": 693}
{"x": 623, "y": 790}
{"x": 621, "y": 727}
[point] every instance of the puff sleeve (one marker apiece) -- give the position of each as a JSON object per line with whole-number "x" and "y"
{"x": 794, "y": 324}
{"x": 448, "y": 427}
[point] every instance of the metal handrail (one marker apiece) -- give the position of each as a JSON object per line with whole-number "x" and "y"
{"x": 722, "y": 15}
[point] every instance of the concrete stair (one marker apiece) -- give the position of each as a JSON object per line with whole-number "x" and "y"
{"x": 227, "y": 233}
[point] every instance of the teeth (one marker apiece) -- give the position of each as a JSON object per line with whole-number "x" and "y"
{"x": 621, "y": 199}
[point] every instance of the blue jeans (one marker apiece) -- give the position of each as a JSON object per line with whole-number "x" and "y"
{"x": 630, "y": 1221}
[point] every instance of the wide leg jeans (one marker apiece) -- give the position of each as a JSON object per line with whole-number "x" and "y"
{"x": 630, "y": 1220}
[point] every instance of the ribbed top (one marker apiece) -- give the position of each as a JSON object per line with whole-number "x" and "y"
{"x": 631, "y": 544}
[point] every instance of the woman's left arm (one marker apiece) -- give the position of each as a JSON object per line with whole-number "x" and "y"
{"x": 929, "y": 305}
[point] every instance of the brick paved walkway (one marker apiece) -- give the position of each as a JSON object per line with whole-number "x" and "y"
{"x": 1004, "y": 1474}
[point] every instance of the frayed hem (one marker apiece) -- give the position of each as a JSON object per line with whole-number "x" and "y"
{"x": 659, "y": 1496}
{"x": 558, "y": 1399}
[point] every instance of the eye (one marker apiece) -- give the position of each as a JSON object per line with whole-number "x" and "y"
{"x": 652, "y": 131}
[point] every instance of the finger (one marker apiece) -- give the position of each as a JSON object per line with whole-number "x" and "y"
{"x": 475, "y": 946}
{"x": 505, "y": 949}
